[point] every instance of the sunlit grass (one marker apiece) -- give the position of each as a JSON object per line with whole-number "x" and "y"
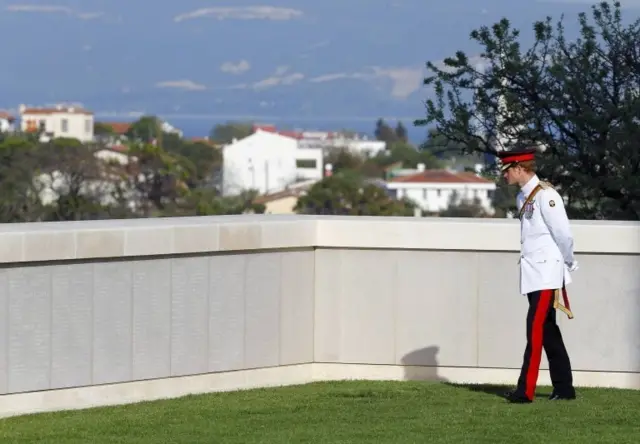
{"x": 344, "y": 412}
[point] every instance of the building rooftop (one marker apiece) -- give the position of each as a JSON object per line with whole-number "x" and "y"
{"x": 54, "y": 110}
{"x": 118, "y": 127}
{"x": 6, "y": 115}
{"x": 440, "y": 176}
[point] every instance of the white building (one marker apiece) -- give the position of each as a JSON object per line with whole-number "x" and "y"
{"x": 6, "y": 122}
{"x": 60, "y": 121}
{"x": 309, "y": 163}
{"x": 326, "y": 140}
{"x": 434, "y": 190}
{"x": 361, "y": 145}
{"x": 355, "y": 144}
{"x": 263, "y": 161}
{"x": 170, "y": 129}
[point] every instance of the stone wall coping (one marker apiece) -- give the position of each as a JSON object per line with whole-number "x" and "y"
{"x": 58, "y": 241}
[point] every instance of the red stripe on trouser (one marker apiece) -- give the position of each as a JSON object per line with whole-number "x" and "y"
{"x": 537, "y": 331}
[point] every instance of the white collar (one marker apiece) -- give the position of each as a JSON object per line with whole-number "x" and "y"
{"x": 528, "y": 187}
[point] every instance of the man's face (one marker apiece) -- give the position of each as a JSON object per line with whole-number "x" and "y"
{"x": 510, "y": 175}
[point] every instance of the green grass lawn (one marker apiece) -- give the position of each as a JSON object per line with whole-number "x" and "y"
{"x": 344, "y": 412}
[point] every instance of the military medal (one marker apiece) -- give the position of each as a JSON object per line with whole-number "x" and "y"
{"x": 528, "y": 210}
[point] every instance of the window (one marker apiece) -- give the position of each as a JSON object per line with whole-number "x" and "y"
{"x": 87, "y": 126}
{"x": 306, "y": 163}
{"x": 42, "y": 125}
{"x": 64, "y": 126}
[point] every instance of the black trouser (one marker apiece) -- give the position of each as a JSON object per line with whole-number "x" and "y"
{"x": 543, "y": 332}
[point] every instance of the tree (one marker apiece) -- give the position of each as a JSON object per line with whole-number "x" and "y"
{"x": 384, "y": 132}
{"x": 349, "y": 194}
{"x": 401, "y": 133}
{"x": 146, "y": 129}
{"x": 206, "y": 202}
{"x": 19, "y": 198}
{"x": 579, "y": 99}
{"x": 504, "y": 200}
{"x": 225, "y": 133}
{"x": 157, "y": 177}
{"x": 343, "y": 159}
{"x": 203, "y": 161}
{"x": 103, "y": 130}
{"x": 408, "y": 156}
{"x": 64, "y": 179}
{"x": 70, "y": 182}
{"x": 442, "y": 147}
{"x": 463, "y": 207}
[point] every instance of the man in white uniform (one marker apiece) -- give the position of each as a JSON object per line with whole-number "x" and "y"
{"x": 546, "y": 258}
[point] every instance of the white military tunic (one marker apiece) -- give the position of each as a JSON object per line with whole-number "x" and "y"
{"x": 546, "y": 241}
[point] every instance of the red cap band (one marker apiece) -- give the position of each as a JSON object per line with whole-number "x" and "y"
{"x": 518, "y": 158}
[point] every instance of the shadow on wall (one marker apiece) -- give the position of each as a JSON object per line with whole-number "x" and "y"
{"x": 422, "y": 365}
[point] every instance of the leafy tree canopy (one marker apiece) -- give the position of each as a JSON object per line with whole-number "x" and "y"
{"x": 225, "y": 133}
{"x": 349, "y": 194}
{"x": 64, "y": 179}
{"x": 579, "y": 99}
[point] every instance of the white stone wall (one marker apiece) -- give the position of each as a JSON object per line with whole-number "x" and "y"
{"x": 108, "y": 312}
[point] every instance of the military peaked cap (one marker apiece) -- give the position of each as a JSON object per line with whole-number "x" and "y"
{"x": 512, "y": 157}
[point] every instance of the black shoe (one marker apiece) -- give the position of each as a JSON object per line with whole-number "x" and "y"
{"x": 515, "y": 397}
{"x": 556, "y": 396}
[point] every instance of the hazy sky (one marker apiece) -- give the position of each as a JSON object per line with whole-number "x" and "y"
{"x": 242, "y": 56}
